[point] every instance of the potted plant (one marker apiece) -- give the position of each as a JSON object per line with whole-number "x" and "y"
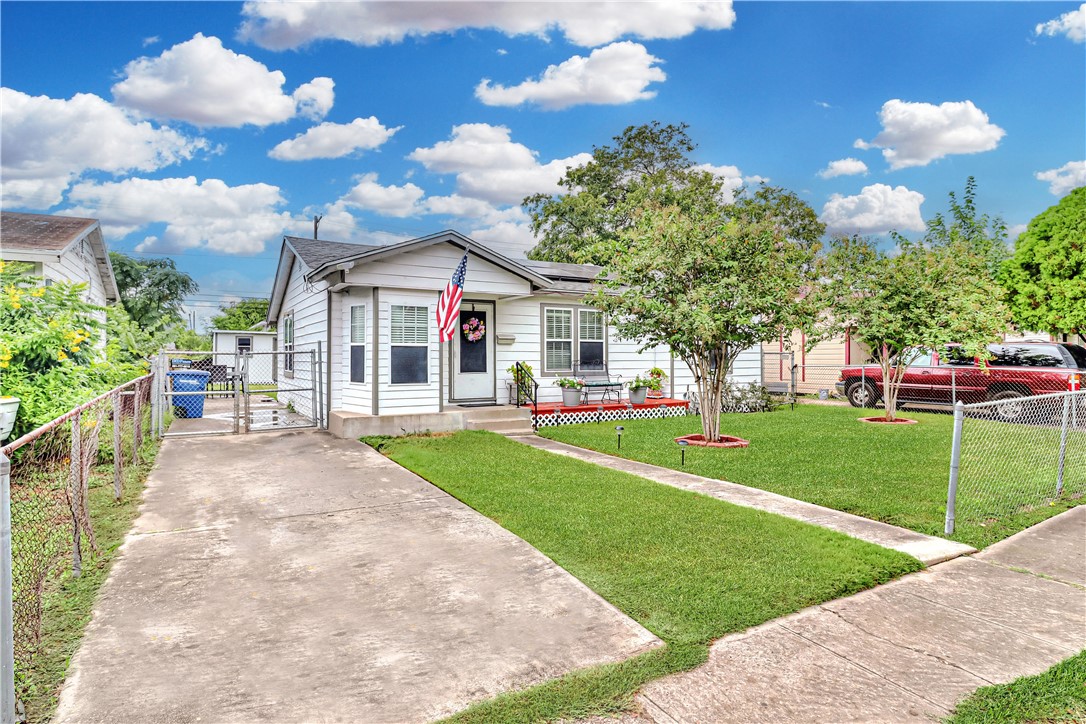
{"x": 517, "y": 374}
{"x": 571, "y": 391}
{"x": 657, "y": 376}
{"x": 639, "y": 388}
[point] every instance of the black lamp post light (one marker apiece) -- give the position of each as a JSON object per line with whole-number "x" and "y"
{"x": 682, "y": 447}
{"x": 618, "y": 429}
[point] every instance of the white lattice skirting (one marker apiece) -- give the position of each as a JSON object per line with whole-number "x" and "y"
{"x": 551, "y": 419}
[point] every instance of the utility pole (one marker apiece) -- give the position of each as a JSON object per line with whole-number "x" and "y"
{"x": 316, "y": 222}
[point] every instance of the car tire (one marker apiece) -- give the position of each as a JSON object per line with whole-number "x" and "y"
{"x": 1011, "y": 410}
{"x": 861, "y": 394}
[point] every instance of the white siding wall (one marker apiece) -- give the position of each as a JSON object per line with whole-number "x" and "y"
{"x": 77, "y": 265}
{"x": 406, "y": 398}
{"x": 308, "y": 303}
{"x": 431, "y": 267}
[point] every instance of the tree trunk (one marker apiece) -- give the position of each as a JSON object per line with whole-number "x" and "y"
{"x": 710, "y": 384}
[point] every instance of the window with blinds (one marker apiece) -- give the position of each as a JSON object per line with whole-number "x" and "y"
{"x": 558, "y": 340}
{"x": 358, "y": 343}
{"x": 590, "y": 339}
{"x": 410, "y": 337}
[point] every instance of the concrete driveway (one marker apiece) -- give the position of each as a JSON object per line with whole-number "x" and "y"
{"x": 294, "y": 576}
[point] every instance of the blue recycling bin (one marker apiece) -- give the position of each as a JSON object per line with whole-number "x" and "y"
{"x": 188, "y": 381}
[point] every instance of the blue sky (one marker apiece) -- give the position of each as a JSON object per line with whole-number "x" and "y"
{"x": 205, "y": 131}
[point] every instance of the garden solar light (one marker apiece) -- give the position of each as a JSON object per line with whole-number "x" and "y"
{"x": 599, "y": 414}
{"x": 682, "y": 447}
{"x": 618, "y": 429}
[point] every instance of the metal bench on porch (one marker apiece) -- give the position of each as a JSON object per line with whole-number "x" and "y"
{"x": 596, "y": 378}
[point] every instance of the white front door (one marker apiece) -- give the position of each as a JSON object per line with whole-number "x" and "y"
{"x": 473, "y": 355}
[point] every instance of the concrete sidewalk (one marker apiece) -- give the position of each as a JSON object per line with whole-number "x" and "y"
{"x": 299, "y": 577}
{"x": 904, "y": 652}
{"x": 928, "y": 549}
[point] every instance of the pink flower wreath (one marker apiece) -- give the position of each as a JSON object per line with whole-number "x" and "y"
{"x": 474, "y": 330}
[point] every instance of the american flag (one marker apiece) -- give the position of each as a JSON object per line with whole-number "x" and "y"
{"x": 448, "y": 306}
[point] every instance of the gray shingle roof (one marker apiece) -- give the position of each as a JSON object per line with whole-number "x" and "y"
{"x": 315, "y": 253}
{"x": 555, "y": 270}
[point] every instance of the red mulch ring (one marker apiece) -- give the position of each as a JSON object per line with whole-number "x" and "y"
{"x": 884, "y": 421}
{"x": 724, "y": 441}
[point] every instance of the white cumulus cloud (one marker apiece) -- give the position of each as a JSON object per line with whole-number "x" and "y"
{"x": 489, "y": 165}
{"x": 616, "y": 74}
{"x": 915, "y": 134}
{"x": 843, "y": 167}
{"x": 203, "y": 83}
{"x": 732, "y": 178}
{"x": 876, "y": 209}
{"x": 334, "y": 140}
{"x": 1060, "y": 180}
{"x": 284, "y": 24}
{"x": 1072, "y": 24}
{"x": 369, "y": 195}
{"x": 47, "y": 143}
{"x": 208, "y": 214}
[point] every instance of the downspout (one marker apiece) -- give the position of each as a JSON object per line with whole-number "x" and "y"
{"x": 375, "y": 403}
{"x": 328, "y": 353}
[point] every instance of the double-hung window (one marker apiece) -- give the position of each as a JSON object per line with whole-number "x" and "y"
{"x": 245, "y": 345}
{"x": 288, "y": 344}
{"x": 358, "y": 343}
{"x": 410, "y": 339}
{"x": 573, "y": 336}
{"x": 558, "y": 340}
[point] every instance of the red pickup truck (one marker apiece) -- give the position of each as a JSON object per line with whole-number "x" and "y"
{"x": 1017, "y": 369}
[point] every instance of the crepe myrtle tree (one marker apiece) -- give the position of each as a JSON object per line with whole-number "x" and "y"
{"x": 706, "y": 282}
{"x": 921, "y": 296}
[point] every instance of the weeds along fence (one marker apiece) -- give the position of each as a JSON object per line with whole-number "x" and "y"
{"x": 1002, "y": 466}
{"x": 50, "y": 530}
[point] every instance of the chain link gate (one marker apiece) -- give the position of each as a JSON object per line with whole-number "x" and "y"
{"x": 216, "y": 393}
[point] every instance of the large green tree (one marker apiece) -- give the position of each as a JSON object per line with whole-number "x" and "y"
{"x": 152, "y": 290}
{"x": 1046, "y": 278}
{"x": 704, "y": 282}
{"x": 649, "y": 165}
{"x": 923, "y": 295}
{"x": 242, "y": 314}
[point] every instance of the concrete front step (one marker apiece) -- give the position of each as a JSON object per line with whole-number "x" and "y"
{"x": 498, "y": 413}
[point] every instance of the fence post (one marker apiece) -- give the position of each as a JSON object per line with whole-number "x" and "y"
{"x": 118, "y": 456}
{"x": 75, "y": 493}
{"x": 792, "y": 377}
{"x": 137, "y": 423}
{"x": 320, "y": 387}
{"x": 1063, "y": 443}
{"x": 315, "y": 373}
{"x": 154, "y": 398}
{"x": 7, "y": 630}
{"x": 955, "y": 461}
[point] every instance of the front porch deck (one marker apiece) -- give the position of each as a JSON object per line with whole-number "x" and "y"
{"x": 550, "y": 408}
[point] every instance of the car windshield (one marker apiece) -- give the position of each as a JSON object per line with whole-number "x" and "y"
{"x": 1078, "y": 353}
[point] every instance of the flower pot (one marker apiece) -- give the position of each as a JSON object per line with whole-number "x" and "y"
{"x": 9, "y": 408}
{"x": 571, "y": 396}
{"x": 637, "y": 395}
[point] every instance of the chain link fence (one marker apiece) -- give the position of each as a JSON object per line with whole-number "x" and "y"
{"x": 51, "y": 527}
{"x": 1047, "y": 434}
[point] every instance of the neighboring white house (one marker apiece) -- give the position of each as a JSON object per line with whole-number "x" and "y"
{"x": 232, "y": 341}
{"x": 373, "y": 309}
{"x": 61, "y": 249}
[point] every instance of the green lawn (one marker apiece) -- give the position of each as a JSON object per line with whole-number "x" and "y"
{"x": 822, "y": 454}
{"x": 688, "y": 567}
{"x": 1058, "y": 694}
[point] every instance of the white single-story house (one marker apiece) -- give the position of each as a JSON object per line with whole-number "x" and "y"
{"x": 236, "y": 341}
{"x": 61, "y": 249}
{"x": 373, "y": 310}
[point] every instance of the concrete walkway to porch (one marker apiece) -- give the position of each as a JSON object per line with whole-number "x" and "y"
{"x": 907, "y": 651}
{"x": 928, "y": 549}
{"x": 292, "y": 576}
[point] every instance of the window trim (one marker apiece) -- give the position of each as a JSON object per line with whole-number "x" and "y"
{"x": 351, "y": 343}
{"x": 238, "y": 345}
{"x": 575, "y": 309}
{"x": 426, "y": 345}
{"x": 288, "y": 344}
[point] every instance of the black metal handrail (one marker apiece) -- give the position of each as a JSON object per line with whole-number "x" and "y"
{"x": 527, "y": 389}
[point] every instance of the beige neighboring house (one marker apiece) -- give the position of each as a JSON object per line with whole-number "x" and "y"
{"x": 61, "y": 249}
{"x": 818, "y": 367}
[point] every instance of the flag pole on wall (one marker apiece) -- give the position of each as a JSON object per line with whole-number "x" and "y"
{"x": 448, "y": 305}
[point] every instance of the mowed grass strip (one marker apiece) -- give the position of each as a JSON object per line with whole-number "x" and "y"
{"x": 822, "y": 454}
{"x": 1058, "y": 694}
{"x": 687, "y": 567}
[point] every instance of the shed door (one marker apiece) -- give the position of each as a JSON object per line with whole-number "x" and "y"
{"x": 473, "y": 354}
